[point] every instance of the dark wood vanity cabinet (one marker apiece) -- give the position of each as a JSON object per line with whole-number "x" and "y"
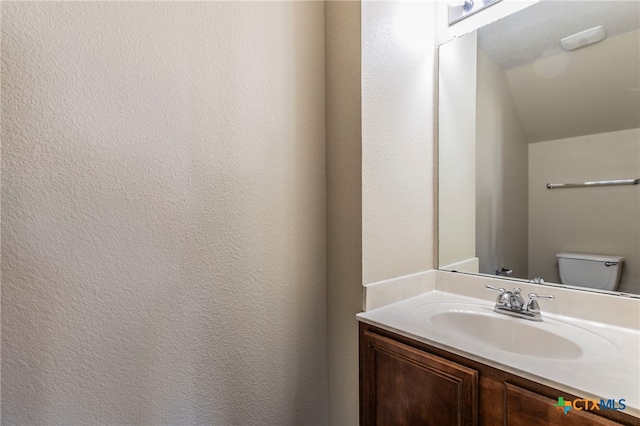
{"x": 405, "y": 382}
{"x": 407, "y": 386}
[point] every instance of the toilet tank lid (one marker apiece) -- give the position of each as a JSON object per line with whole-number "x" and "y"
{"x": 593, "y": 257}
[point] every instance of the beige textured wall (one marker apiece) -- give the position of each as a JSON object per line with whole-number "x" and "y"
{"x": 163, "y": 191}
{"x": 502, "y": 187}
{"x": 457, "y": 62}
{"x": 397, "y": 138}
{"x": 344, "y": 205}
{"x": 598, "y": 220}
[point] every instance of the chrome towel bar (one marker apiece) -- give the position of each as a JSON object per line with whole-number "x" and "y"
{"x": 635, "y": 181}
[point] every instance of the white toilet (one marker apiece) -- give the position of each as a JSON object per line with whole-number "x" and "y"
{"x": 590, "y": 270}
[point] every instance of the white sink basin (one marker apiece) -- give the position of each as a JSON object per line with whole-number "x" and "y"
{"x": 551, "y": 339}
{"x": 506, "y": 335}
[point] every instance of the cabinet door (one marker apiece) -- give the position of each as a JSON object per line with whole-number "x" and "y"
{"x": 402, "y": 385}
{"x": 526, "y": 408}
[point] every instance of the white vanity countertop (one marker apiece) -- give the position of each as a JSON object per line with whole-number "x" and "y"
{"x": 611, "y": 374}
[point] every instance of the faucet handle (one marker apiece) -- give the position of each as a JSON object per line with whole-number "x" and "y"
{"x": 503, "y": 297}
{"x": 541, "y": 296}
{"x": 501, "y": 290}
{"x": 533, "y": 305}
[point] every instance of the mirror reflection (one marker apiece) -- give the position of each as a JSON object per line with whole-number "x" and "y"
{"x": 544, "y": 96}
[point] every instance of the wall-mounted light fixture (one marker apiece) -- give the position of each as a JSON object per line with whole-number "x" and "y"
{"x": 584, "y": 38}
{"x": 466, "y": 8}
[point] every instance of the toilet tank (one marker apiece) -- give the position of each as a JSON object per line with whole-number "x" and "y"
{"x": 590, "y": 270}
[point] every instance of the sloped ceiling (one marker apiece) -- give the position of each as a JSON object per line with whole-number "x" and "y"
{"x": 561, "y": 94}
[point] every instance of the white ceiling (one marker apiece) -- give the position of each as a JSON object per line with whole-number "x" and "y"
{"x": 561, "y": 94}
{"x": 536, "y": 31}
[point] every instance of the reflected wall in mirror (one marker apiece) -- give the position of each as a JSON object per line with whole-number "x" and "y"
{"x": 516, "y": 112}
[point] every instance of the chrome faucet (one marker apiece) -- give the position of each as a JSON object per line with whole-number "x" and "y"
{"x": 511, "y": 303}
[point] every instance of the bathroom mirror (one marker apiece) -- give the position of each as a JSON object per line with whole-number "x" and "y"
{"x": 518, "y": 112}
